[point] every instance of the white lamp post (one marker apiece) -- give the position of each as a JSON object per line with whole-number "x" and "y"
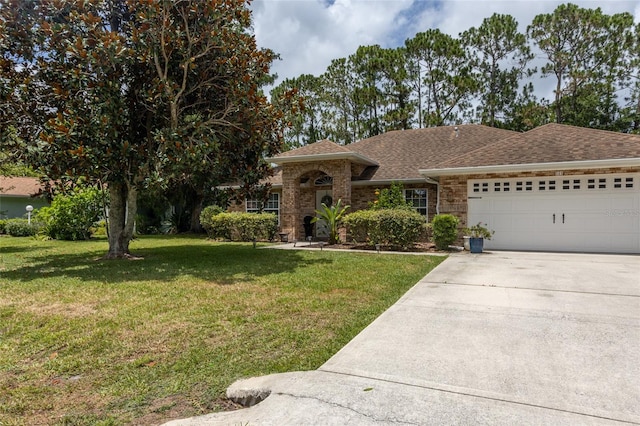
{"x": 29, "y": 210}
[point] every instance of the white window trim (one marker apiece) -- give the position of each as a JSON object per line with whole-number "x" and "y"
{"x": 426, "y": 198}
{"x": 275, "y": 210}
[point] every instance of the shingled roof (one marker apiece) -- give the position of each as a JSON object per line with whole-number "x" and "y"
{"x": 317, "y": 148}
{"x": 322, "y": 150}
{"x": 407, "y": 154}
{"x": 19, "y": 186}
{"x": 551, "y": 143}
{"x": 401, "y": 153}
{"x": 398, "y": 155}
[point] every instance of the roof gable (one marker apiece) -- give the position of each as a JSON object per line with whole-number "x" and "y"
{"x": 321, "y": 151}
{"x": 321, "y": 147}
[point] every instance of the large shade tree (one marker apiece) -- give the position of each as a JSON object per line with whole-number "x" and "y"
{"x": 131, "y": 93}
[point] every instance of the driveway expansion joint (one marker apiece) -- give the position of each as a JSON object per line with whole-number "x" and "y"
{"x": 479, "y": 395}
{"x": 555, "y": 290}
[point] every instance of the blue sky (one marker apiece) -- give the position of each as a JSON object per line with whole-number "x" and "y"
{"x": 308, "y": 34}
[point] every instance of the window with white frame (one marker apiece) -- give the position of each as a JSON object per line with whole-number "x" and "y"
{"x": 271, "y": 206}
{"x": 417, "y": 198}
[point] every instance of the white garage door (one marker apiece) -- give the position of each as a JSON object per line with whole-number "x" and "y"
{"x": 587, "y": 213}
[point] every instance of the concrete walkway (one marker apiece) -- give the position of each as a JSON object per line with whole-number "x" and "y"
{"x": 319, "y": 245}
{"x": 500, "y": 338}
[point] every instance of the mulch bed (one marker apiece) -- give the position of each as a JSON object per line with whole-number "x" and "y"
{"x": 416, "y": 248}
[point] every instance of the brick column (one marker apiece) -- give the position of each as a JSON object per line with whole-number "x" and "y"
{"x": 453, "y": 198}
{"x": 342, "y": 189}
{"x": 290, "y": 204}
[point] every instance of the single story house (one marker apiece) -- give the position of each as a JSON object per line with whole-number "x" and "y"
{"x": 556, "y": 187}
{"x": 16, "y": 193}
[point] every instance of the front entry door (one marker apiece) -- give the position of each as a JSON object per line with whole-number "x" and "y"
{"x": 323, "y": 196}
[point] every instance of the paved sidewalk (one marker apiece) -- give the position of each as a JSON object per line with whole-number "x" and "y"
{"x": 498, "y": 338}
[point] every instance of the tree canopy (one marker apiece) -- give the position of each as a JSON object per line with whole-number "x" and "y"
{"x": 485, "y": 75}
{"x": 136, "y": 93}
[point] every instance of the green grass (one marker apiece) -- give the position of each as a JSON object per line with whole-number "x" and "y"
{"x": 86, "y": 341}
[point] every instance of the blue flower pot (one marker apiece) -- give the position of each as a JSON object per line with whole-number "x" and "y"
{"x": 476, "y": 244}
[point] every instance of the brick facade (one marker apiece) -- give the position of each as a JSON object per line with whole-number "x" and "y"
{"x": 298, "y": 192}
{"x": 453, "y": 196}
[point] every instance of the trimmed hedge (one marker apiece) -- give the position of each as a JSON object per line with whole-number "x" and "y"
{"x": 398, "y": 228}
{"x": 239, "y": 226}
{"x": 213, "y": 228}
{"x": 445, "y": 230}
{"x": 21, "y": 227}
{"x": 3, "y": 226}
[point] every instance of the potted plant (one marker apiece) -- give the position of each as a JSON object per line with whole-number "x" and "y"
{"x": 477, "y": 234}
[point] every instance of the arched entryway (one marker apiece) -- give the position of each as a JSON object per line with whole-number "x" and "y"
{"x": 305, "y": 187}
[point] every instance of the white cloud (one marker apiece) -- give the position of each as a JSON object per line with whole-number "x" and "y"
{"x": 308, "y": 34}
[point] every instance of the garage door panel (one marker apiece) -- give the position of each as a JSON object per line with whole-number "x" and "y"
{"x": 524, "y": 205}
{"x": 625, "y": 224}
{"x": 591, "y": 222}
{"x": 600, "y": 219}
{"x": 623, "y": 203}
{"x": 627, "y": 242}
{"x": 551, "y": 204}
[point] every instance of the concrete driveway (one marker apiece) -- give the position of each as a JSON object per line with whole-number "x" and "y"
{"x": 497, "y": 338}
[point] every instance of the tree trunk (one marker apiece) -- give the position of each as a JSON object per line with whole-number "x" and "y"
{"x": 558, "y": 97}
{"x": 196, "y": 209}
{"x": 122, "y": 211}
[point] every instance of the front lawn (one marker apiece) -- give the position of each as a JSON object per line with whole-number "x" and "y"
{"x": 85, "y": 341}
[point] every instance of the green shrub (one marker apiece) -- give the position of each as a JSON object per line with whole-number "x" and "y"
{"x": 22, "y": 227}
{"x": 214, "y": 229}
{"x": 208, "y": 213}
{"x": 391, "y": 198}
{"x": 3, "y": 224}
{"x": 240, "y": 226}
{"x": 398, "y": 228}
{"x": 479, "y": 231}
{"x": 71, "y": 217}
{"x": 445, "y": 230}
{"x": 99, "y": 228}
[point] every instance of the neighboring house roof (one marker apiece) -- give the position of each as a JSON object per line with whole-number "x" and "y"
{"x": 548, "y": 146}
{"x": 19, "y": 186}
